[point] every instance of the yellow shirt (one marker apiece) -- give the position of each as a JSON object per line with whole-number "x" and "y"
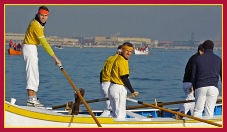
{"x": 106, "y": 70}
{"x": 34, "y": 32}
{"x": 120, "y": 68}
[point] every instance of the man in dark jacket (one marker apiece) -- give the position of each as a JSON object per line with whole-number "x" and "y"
{"x": 206, "y": 70}
{"x": 187, "y": 83}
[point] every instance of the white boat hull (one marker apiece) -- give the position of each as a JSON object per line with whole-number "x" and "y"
{"x": 14, "y": 120}
{"x": 23, "y": 116}
{"x": 137, "y": 52}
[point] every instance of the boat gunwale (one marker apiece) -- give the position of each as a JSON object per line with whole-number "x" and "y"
{"x": 57, "y": 117}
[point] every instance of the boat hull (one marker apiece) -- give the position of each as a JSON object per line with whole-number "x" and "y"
{"x": 137, "y": 52}
{"x": 14, "y": 52}
{"x": 23, "y": 116}
{"x": 59, "y": 47}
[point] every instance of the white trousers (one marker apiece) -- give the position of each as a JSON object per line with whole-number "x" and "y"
{"x": 205, "y": 99}
{"x": 32, "y": 70}
{"x": 189, "y": 96}
{"x": 117, "y": 96}
{"x": 104, "y": 92}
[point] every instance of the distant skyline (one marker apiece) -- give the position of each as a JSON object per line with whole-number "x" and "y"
{"x": 157, "y": 22}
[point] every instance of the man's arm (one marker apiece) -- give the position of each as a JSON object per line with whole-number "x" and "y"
{"x": 127, "y": 83}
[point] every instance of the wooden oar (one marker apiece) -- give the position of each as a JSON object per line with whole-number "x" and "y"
{"x": 174, "y": 112}
{"x": 80, "y": 96}
{"x": 160, "y": 104}
{"x": 88, "y": 101}
{"x": 63, "y": 105}
{"x": 97, "y": 100}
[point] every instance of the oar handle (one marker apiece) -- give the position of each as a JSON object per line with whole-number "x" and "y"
{"x": 60, "y": 66}
{"x": 133, "y": 100}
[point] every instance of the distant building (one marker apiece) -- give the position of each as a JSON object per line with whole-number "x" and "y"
{"x": 14, "y": 36}
{"x": 112, "y": 41}
{"x": 102, "y": 40}
{"x": 187, "y": 43}
{"x": 53, "y": 40}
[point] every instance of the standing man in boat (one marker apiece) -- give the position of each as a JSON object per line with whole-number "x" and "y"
{"x": 120, "y": 82}
{"x": 105, "y": 79}
{"x": 18, "y": 47}
{"x": 10, "y": 43}
{"x": 187, "y": 84}
{"x": 206, "y": 70}
{"x": 33, "y": 37}
{"x": 15, "y": 46}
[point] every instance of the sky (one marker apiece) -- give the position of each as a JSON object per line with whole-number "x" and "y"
{"x": 163, "y": 22}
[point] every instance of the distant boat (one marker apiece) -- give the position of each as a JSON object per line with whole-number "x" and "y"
{"x": 59, "y": 47}
{"x": 141, "y": 51}
{"x": 14, "y": 52}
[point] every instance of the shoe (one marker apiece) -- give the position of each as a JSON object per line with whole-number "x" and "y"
{"x": 34, "y": 103}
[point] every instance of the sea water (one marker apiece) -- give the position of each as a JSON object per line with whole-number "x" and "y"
{"x": 157, "y": 76}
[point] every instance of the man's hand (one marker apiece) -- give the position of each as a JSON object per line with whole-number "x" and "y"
{"x": 134, "y": 94}
{"x": 57, "y": 61}
{"x": 190, "y": 90}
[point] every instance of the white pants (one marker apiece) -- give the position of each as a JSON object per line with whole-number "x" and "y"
{"x": 32, "y": 70}
{"x": 189, "y": 96}
{"x": 205, "y": 97}
{"x": 117, "y": 96}
{"x": 104, "y": 92}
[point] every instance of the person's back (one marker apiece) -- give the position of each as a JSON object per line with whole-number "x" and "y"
{"x": 209, "y": 69}
{"x": 19, "y": 46}
{"x": 105, "y": 75}
{"x": 188, "y": 69}
{"x": 187, "y": 84}
{"x": 206, "y": 70}
{"x": 14, "y": 46}
{"x": 10, "y": 43}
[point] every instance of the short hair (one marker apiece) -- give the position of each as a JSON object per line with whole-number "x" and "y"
{"x": 120, "y": 46}
{"x": 208, "y": 44}
{"x": 200, "y": 47}
{"x": 128, "y": 44}
{"x": 44, "y": 8}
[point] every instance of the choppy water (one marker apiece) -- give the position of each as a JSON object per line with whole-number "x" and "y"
{"x": 158, "y": 75}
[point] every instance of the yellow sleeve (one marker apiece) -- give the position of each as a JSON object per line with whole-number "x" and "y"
{"x": 46, "y": 46}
